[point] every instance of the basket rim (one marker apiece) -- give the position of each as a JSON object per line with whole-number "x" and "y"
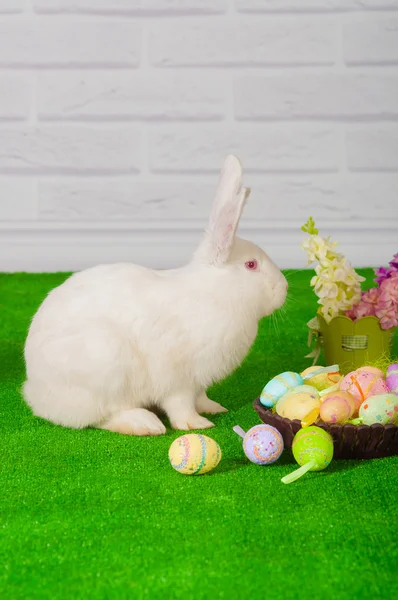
{"x": 345, "y": 318}
{"x": 341, "y": 426}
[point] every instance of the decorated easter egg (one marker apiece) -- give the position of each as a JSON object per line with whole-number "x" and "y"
{"x": 337, "y": 407}
{"x": 313, "y": 450}
{"x": 382, "y": 409}
{"x": 286, "y": 381}
{"x": 278, "y": 386}
{"x": 321, "y": 381}
{"x": 373, "y": 370}
{"x": 392, "y": 379}
{"x": 315, "y": 445}
{"x": 263, "y": 444}
{"x": 298, "y": 403}
{"x": 362, "y": 384}
{"x": 301, "y": 389}
{"x": 194, "y": 454}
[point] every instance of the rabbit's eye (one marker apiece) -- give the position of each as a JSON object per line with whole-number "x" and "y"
{"x": 251, "y": 265}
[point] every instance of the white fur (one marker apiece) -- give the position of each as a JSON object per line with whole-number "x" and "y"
{"x": 115, "y": 340}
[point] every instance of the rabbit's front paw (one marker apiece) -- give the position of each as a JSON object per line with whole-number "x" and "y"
{"x": 194, "y": 421}
{"x": 137, "y": 421}
{"x": 180, "y": 408}
{"x": 205, "y": 405}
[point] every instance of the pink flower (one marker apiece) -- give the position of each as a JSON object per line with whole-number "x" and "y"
{"x": 380, "y": 301}
{"x": 382, "y": 273}
{"x": 365, "y": 309}
{"x": 387, "y": 306}
{"x": 366, "y": 306}
{"x": 387, "y": 317}
{"x": 368, "y": 303}
{"x": 389, "y": 290}
{"x": 351, "y": 314}
{"x": 394, "y": 262}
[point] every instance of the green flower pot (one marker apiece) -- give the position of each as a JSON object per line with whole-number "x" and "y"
{"x": 352, "y": 344}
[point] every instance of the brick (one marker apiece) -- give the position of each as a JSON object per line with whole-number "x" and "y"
{"x": 54, "y": 42}
{"x": 373, "y": 42}
{"x": 130, "y": 95}
{"x": 15, "y": 95}
{"x": 261, "y": 148}
{"x": 69, "y": 149}
{"x": 18, "y": 200}
{"x": 276, "y": 6}
{"x": 12, "y": 6}
{"x": 316, "y": 96}
{"x": 124, "y": 200}
{"x": 245, "y": 42}
{"x": 138, "y": 7}
{"x": 372, "y": 147}
{"x": 345, "y": 198}
{"x": 352, "y": 198}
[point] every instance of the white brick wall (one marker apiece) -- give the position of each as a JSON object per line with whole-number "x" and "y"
{"x": 116, "y": 115}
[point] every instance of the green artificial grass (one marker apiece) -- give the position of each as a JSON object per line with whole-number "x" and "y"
{"x": 93, "y": 514}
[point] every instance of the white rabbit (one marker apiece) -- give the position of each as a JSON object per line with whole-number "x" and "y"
{"x": 114, "y": 341}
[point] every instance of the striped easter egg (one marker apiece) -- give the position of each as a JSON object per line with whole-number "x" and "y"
{"x": 392, "y": 379}
{"x": 263, "y": 444}
{"x": 194, "y": 454}
{"x": 278, "y": 386}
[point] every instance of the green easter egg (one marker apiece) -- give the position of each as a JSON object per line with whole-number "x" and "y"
{"x": 382, "y": 409}
{"x": 313, "y": 444}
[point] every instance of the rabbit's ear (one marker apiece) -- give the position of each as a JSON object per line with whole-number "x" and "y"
{"x": 227, "y": 209}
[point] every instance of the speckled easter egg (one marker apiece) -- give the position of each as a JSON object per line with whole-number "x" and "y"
{"x": 278, "y": 386}
{"x": 298, "y": 403}
{"x": 313, "y": 443}
{"x": 373, "y": 370}
{"x": 321, "y": 381}
{"x": 382, "y": 409}
{"x": 362, "y": 384}
{"x": 337, "y": 407}
{"x": 194, "y": 454}
{"x": 263, "y": 444}
{"x": 392, "y": 379}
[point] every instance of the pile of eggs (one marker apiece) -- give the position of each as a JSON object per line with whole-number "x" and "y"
{"x": 363, "y": 396}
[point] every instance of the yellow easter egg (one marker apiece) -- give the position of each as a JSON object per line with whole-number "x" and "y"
{"x": 322, "y": 381}
{"x": 301, "y": 389}
{"x": 298, "y": 405}
{"x": 194, "y": 454}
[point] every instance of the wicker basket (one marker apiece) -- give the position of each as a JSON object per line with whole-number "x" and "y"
{"x": 350, "y": 441}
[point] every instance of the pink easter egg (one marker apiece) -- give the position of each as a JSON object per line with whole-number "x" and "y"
{"x": 337, "y": 407}
{"x": 392, "y": 379}
{"x": 373, "y": 370}
{"x": 362, "y": 384}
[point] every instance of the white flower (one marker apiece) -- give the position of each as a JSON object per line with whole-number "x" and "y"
{"x": 330, "y": 309}
{"x": 317, "y": 248}
{"x": 336, "y": 283}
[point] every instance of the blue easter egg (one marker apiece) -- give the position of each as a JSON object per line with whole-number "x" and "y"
{"x": 278, "y": 386}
